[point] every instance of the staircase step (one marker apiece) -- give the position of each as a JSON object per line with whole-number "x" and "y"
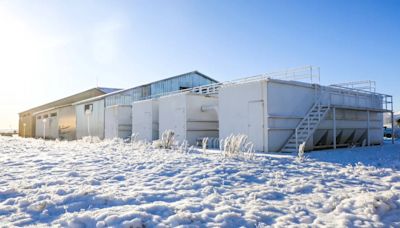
{"x": 311, "y": 122}
{"x": 293, "y": 140}
{"x": 289, "y": 150}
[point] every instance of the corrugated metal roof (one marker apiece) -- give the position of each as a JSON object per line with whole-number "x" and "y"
{"x": 121, "y": 91}
{"x": 71, "y": 99}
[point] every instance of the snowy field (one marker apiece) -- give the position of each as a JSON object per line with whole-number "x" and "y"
{"x": 102, "y": 184}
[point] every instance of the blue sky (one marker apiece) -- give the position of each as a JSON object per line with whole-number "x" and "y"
{"x": 51, "y": 49}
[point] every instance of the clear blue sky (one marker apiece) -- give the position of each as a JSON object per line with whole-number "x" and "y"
{"x": 51, "y": 49}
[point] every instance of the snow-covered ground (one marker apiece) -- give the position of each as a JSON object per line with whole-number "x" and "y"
{"x": 82, "y": 184}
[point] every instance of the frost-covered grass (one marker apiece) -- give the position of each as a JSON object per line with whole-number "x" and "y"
{"x": 111, "y": 183}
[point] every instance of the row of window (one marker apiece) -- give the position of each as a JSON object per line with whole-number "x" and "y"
{"x": 45, "y": 116}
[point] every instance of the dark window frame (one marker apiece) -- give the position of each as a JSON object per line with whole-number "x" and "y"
{"x": 88, "y": 107}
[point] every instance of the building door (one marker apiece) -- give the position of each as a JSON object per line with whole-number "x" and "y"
{"x": 256, "y": 124}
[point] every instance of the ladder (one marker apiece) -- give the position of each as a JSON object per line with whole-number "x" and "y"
{"x": 307, "y": 126}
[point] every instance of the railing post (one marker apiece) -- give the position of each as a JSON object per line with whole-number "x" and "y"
{"x": 297, "y": 142}
{"x": 368, "y": 128}
{"x": 386, "y": 102}
{"x": 392, "y": 118}
{"x": 334, "y": 127}
{"x": 319, "y": 112}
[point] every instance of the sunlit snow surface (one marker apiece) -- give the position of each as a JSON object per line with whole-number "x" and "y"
{"x": 82, "y": 184}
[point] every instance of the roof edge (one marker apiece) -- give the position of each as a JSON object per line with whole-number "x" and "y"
{"x": 94, "y": 88}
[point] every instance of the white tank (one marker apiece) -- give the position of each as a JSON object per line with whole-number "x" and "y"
{"x": 145, "y": 120}
{"x": 118, "y": 121}
{"x": 269, "y": 110}
{"x": 190, "y": 116}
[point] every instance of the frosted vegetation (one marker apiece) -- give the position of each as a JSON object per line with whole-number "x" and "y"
{"x": 94, "y": 183}
{"x": 236, "y": 146}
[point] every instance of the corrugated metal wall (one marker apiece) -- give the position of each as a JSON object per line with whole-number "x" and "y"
{"x": 96, "y": 120}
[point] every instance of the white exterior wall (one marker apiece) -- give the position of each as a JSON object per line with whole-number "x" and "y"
{"x": 67, "y": 123}
{"x": 62, "y": 126}
{"x": 182, "y": 114}
{"x": 200, "y": 123}
{"x": 235, "y": 108}
{"x": 96, "y": 120}
{"x": 118, "y": 121}
{"x": 172, "y": 115}
{"x": 50, "y": 126}
{"x": 269, "y": 111}
{"x": 145, "y": 119}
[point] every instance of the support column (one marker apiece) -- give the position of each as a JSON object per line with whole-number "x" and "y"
{"x": 334, "y": 127}
{"x": 392, "y": 118}
{"x": 368, "y": 133}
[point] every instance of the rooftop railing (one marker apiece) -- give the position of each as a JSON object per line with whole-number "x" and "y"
{"x": 366, "y": 85}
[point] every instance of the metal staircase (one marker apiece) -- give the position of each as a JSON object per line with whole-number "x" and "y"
{"x": 305, "y": 129}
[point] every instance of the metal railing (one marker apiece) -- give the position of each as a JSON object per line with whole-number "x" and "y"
{"x": 366, "y": 85}
{"x": 307, "y": 74}
{"x": 379, "y": 100}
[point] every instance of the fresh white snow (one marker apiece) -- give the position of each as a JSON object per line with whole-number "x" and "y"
{"x": 111, "y": 183}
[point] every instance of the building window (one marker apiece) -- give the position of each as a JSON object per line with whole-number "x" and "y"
{"x": 183, "y": 87}
{"x": 45, "y": 116}
{"x": 88, "y": 108}
{"x": 39, "y": 117}
{"x": 54, "y": 114}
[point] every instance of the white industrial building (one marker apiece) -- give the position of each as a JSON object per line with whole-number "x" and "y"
{"x": 279, "y": 115}
{"x": 91, "y": 117}
{"x": 55, "y": 120}
{"x": 278, "y": 112}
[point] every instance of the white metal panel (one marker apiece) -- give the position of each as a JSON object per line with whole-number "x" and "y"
{"x": 201, "y": 123}
{"x": 124, "y": 121}
{"x": 95, "y": 120}
{"x": 111, "y": 122}
{"x": 145, "y": 119}
{"x": 232, "y": 108}
{"x": 49, "y": 128}
{"x": 118, "y": 122}
{"x": 183, "y": 114}
{"x": 255, "y": 129}
{"x": 67, "y": 123}
{"x": 172, "y": 115}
